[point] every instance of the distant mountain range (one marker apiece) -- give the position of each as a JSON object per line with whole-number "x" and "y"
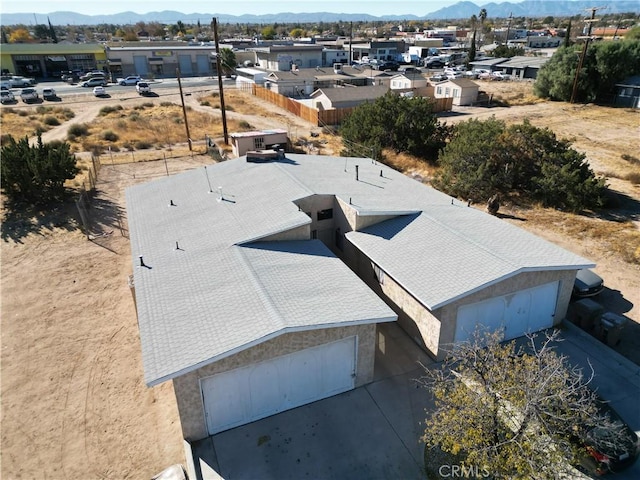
{"x": 460, "y": 10}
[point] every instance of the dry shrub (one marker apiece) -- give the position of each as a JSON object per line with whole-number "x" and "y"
{"x": 633, "y": 177}
{"x": 408, "y": 164}
{"x": 620, "y": 238}
{"x": 23, "y": 123}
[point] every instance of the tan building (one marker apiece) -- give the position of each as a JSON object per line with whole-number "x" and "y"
{"x": 50, "y": 60}
{"x": 258, "y": 140}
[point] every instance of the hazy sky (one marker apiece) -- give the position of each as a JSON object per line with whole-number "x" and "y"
{"x": 257, "y": 7}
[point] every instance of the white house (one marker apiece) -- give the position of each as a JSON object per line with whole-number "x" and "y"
{"x": 463, "y": 91}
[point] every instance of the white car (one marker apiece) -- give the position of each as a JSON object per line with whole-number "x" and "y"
{"x": 130, "y": 80}
{"x": 49, "y": 94}
{"x": 99, "y": 91}
{"x": 143, "y": 88}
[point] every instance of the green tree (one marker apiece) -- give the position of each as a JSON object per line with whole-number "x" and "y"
{"x": 503, "y": 51}
{"x": 520, "y": 161}
{"x": 604, "y": 65}
{"x": 228, "y": 60}
{"x": 41, "y": 32}
{"x": 400, "y": 123}
{"x": 512, "y": 411}
{"x": 35, "y": 174}
{"x": 472, "y": 48}
{"x": 297, "y": 33}
{"x": 633, "y": 33}
{"x": 268, "y": 32}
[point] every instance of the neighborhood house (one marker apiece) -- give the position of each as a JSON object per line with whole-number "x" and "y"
{"x": 259, "y": 281}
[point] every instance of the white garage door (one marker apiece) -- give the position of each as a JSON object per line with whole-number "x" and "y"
{"x": 514, "y": 314}
{"x": 250, "y": 393}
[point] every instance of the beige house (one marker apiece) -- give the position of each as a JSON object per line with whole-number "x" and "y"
{"x": 259, "y": 281}
{"x": 462, "y": 90}
{"x": 258, "y": 140}
{"x": 346, "y": 97}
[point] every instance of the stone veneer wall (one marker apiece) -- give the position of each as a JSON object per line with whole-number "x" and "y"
{"x": 187, "y": 387}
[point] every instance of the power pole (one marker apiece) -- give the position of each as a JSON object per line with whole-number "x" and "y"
{"x": 585, "y": 46}
{"x": 219, "y": 69}
{"x": 506, "y": 40}
{"x": 184, "y": 110}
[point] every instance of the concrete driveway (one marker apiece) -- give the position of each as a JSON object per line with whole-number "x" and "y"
{"x": 373, "y": 432}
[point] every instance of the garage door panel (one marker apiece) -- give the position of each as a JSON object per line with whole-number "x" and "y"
{"x": 515, "y": 314}
{"x": 256, "y": 391}
{"x": 226, "y": 400}
{"x": 264, "y": 389}
{"x": 306, "y": 379}
{"x": 338, "y": 367}
{"x": 518, "y": 309}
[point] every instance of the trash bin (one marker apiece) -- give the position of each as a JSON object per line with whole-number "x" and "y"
{"x": 585, "y": 313}
{"x": 610, "y": 328}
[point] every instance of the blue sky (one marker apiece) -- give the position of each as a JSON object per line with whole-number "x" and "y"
{"x": 257, "y": 7}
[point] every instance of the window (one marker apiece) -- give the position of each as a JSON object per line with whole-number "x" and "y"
{"x": 339, "y": 238}
{"x": 325, "y": 214}
{"x": 258, "y": 143}
{"x": 439, "y": 90}
{"x": 314, "y": 234}
{"x": 447, "y": 92}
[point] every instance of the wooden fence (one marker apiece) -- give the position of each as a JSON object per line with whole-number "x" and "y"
{"x": 323, "y": 118}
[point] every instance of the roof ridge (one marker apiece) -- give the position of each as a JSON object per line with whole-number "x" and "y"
{"x": 265, "y": 298}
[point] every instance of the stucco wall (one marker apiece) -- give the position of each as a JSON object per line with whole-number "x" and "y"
{"x": 187, "y": 387}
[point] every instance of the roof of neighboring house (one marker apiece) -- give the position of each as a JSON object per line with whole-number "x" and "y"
{"x": 524, "y": 62}
{"x": 343, "y": 94}
{"x": 464, "y": 82}
{"x": 488, "y": 61}
{"x": 215, "y": 283}
{"x": 258, "y": 133}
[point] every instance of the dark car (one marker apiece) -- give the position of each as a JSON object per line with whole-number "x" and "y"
{"x": 393, "y": 66}
{"x": 587, "y": 284}
{"x": 610, "y": 445}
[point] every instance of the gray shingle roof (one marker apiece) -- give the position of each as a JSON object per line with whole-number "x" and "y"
{"x": 223, "y": 290}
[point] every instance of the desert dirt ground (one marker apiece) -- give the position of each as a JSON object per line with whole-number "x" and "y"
{"x": 73, "y": 401}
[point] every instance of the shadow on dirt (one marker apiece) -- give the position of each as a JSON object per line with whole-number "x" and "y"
{"x": 21, "y": 220}
{"x": 101, "y": 217}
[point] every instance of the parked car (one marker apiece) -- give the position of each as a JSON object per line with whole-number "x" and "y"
{"x": 434, "y": 62}
{"x": 29, "y": 95}
{"x": 500, "y": 76}
{"x": 94, "y": 74}
{"x": 610, "y": 448}
{"x": 587, "y": 284}
{"x": 382, "y": 66}
{"x": 21, "y": 82}
{"x": 130, "y": 80}
{"x": 143, "y": 88}
{"x": 7, "y": 97}
{"x": 49, "y": 94}
{"x": 99, "y": 91}
{"x": 70, "y": 76}
{"x": 94, "y": 82}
